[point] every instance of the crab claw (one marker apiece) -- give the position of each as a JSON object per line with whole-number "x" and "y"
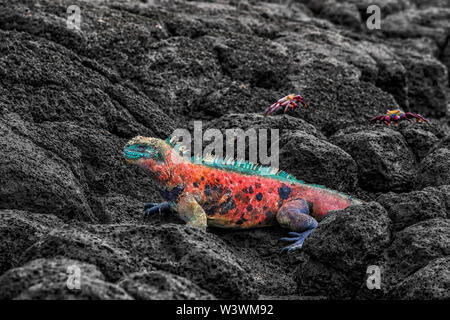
{"x": 416, "y": 116}
{"x": 375, "y": 120}
{"x": 299, "y": 98}
{"x": 381, "y": 119}
{"x": 288, "y": 103}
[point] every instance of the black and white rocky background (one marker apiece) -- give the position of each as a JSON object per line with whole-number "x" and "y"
{"x": 70, "y": 99}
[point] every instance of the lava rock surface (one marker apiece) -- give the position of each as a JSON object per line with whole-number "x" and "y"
{"x": 70, "y": 99}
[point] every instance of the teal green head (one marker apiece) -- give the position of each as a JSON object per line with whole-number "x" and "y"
{"x": 140, "y": 150}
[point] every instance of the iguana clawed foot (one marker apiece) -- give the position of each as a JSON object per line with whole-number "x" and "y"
{"x": 151, "y": 208}
{"x": 299, "y": 238}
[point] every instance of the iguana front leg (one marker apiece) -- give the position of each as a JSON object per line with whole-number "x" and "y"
{"x": 151, "y": 208}
{"x": 190, "y": 211}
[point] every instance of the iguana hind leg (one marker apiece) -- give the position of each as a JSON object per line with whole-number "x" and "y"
{"x": 190, "y": 211}
{"x": 295, "y": 216}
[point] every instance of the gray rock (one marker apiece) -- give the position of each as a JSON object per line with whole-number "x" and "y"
{"x": 406, "y": 209}
{"x": 250, "y": 60}
{"x": 434, "y": 170}
{"x": 18, "y": 231}
{"x": 383, "y": 157}
{"x": 346, "y": 14}
{"x": 431, "y": 22}
{"x": 431, "y": 282}
{"x": 159, "y": 285}
{"x": 427, "y": 82}
{"x": 83, "y": 246}
{"x": 414, "y": 247}
{"x": 104, "y": 104}
{"x": 70, "y": 99}
{"x": 191, "y": 253}
{"x": 33, "y": 179}
{"x": 387, "y": 6}
{"x": 431, "y": 3}
{"x": 391, "y": 73}
{"x": 335, "y": 95}
{"x": 443, "y": 143}
{"x": 445, "y": 56}
{"x": 419, "y": 139}
{"x": 445, "y": 194}
{"x": 49, "y": 279}
{"x": 340, "y": 250}
{"x": 286, "y": 124}
{"x": 259, "y": 250}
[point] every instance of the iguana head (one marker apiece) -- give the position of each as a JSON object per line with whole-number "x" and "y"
{"x": 154, "y": 154}
{"x": 140, "y": 150}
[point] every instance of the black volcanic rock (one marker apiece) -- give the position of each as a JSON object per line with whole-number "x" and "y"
{"x": 285, "y": 124}
{"x": 70, "y": 100}
{"x": 337, "y": 254}
{"x": 79, "y": 245}
{"x": 47, "y": 279}
{"x": 18, "y": 231}
{"x": 434, "y": 170}
{"x": 36, "y": 180}
{"x": 445, "y": 194}
{"x": 406, "y": 209}
{"x": 432, "y": 22}
{"x": 427, "y": 83}
{"x": 384, "y": 160}
{"x": 416, "y": 246}
{"x": 419, "y": 139}
{"x": 429, "y": 282}
{"x": 198, "y": 256}
{"x": 44, "y": 81}
{"x": 160, "y": 285}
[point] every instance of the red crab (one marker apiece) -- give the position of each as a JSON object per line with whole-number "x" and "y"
{"x": 288, "y": 103}
{"x": 396, "y": 116}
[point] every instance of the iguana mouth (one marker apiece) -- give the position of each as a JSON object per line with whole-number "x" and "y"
{"x": 131, "y": 154}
